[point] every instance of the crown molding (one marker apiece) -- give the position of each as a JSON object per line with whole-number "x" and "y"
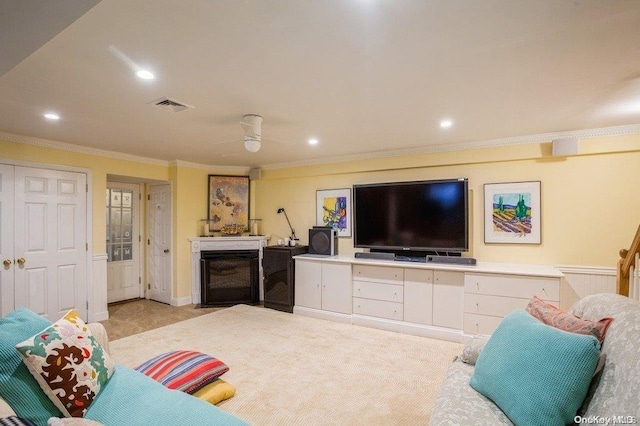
{"x": 238, "y": 170}
{"x": 47, "y": 143}
{"x": 463, "y": 146}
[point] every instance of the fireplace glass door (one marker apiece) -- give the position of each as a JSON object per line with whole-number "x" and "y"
{"x": 229, "y": 277}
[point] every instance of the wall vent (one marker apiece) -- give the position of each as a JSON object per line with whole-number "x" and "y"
{"x": 170, "y": 104}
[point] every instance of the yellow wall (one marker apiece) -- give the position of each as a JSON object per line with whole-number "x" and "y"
{"x": 588, "y": 212}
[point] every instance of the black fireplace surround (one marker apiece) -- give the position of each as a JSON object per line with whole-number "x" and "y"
{"x": 229, "y": 277}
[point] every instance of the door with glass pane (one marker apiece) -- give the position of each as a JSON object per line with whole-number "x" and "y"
{"x": 123, "y": 242}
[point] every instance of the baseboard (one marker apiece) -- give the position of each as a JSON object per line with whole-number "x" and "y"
{"x": 100, "y": 316}
{"x": 181, "y": 301}
{"x": 433, "y": 332}
{"x": 326, "y": 315}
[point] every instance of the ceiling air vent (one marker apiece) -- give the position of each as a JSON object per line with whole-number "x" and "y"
{"x": 170, "y": 105}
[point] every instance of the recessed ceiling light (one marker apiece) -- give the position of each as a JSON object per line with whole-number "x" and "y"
{"x": 145, "y": 74}
{"x": 313, "y": 141}
{"x": 51, "y": 116}
{"x": 445, "y": 124}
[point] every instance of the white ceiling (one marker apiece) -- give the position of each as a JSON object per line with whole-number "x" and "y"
{"x": 362, "y": 76}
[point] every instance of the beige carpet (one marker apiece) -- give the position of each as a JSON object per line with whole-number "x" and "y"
{"x": 294, "y": 370}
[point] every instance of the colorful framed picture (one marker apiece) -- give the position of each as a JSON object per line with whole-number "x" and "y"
{"x": 333, "y": 208}
{"x": 228, "y": 204}
{"x": 512, "y": 213}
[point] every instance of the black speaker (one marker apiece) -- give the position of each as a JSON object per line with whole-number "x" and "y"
{"x": 323, "y": 240}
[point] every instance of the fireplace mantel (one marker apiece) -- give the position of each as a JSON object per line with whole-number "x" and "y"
{"x": 199, "y": 244}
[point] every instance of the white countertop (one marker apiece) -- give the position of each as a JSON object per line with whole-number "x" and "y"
{"x": 480, "y": 267}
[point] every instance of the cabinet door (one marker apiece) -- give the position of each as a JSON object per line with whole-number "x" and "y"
{"x": 336, "y": 287}
{"x": 448, "y": 299}
{"x": 307, "y": 282}
{"x": 418, "y": 296}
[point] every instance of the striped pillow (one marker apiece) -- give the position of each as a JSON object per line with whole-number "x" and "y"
{"x": 186, "y": 371}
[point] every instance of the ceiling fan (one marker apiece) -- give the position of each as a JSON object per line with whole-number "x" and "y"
{"x": 252, "y": 126}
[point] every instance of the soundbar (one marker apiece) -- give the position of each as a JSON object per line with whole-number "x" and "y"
{"x": 452, "y": 259}
{"x": 375, "y": 255}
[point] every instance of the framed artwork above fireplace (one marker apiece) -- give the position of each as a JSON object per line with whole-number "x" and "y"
{"x": 228, "y": 204}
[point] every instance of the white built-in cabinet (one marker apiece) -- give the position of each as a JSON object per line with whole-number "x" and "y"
{"x": 323, "y": 288}
{"x": 442, "y": 301}
{"x": 489, "y": 297}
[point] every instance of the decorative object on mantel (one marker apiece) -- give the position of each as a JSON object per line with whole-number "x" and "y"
{"x": 205, "y": 228}
{"x": 232, "y": 229}
{"x": 228, "y": 204}
{"x": 293, "y": 232}
{"x": 333, "y": 209}
{"x": 254, "y": 227}
{"x": 512, "y": 213}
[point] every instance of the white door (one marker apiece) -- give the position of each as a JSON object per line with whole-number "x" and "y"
{"x": 159, "y": 242}
{"x": 123, "y": 242}
{"x": 6, "y": 239}
{"x": 50, "y": 241}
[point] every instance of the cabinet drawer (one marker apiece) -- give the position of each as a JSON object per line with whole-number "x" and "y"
{"x": 448, "y": 277}
{"x": 418, "y": 276}
{"x": 480, "y": 324}
{"x": 378, "y": 274}
{"x": 513, "y": 286}
{"x": 377, "y": 308}
{"x": 378, "y": 291}
{"x": 493, "y": 305}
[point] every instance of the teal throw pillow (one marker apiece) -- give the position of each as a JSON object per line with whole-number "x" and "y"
{"x": 536, "y": 374}
{"x": 17, "y": 385}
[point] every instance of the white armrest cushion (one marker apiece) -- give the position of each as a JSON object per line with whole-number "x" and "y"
{"x": 100, "y": 333}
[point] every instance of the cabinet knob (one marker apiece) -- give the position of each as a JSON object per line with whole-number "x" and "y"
{"x": 7, "y": 262}
{"x": 21, "y": 261}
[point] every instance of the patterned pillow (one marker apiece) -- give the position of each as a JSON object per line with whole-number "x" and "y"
{"x": 562, "y": 320}
{"x": 15, "y": 421}
{"x": 68, "y": 363}
{"x": 187, "y": 371}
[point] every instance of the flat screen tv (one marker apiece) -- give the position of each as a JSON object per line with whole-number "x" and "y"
{"x": 428, "y": 216}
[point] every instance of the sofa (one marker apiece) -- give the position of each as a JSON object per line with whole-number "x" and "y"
{"x": 614, "y": 390}
{"x": 128, "y": 397}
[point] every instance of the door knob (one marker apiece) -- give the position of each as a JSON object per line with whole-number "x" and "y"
{"x": 21, "y": 261}
{"x": 166, "y": 251}
{"x": 7, "y": 262}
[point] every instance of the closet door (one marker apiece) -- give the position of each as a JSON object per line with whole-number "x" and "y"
{"x": 6, "y": 239}
{"x": 50, "y": 241}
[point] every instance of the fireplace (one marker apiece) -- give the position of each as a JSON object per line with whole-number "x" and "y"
{"x": 229, "y": 277}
